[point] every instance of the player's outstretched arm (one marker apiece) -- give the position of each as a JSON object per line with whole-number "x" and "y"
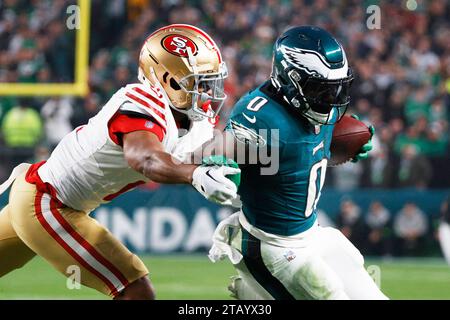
{"x": 145, "y": 154}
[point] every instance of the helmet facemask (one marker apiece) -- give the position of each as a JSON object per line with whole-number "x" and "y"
{"x": 205, "y": 92}
{"x": 320, "y": 99}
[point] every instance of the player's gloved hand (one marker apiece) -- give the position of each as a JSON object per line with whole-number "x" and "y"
{"x": 363, "y": 153}
{"x": 212, "y": 183}
{"x": 220, "y": 160}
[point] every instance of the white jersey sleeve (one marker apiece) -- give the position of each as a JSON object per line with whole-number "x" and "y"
{"x": 149, "y": 103}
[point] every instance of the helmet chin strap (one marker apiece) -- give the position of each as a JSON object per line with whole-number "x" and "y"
{"x": 316, "y": 118}
{"x": 194, "y": 116}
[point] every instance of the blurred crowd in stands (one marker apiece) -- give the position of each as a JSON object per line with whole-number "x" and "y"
{"x": 402, "y": 71}
{"x": 402, "y": 81}
{"x": 381, "y": 232}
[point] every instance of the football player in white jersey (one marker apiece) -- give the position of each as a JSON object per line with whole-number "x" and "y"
{"x": 133, "y": 139}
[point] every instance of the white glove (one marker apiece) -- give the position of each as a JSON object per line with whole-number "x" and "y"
{"x": 212, "y": 183}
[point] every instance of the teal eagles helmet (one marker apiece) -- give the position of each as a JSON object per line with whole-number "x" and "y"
{"x": 311, "y": 71}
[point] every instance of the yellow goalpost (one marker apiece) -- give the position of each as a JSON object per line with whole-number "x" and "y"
{"x": 77, "y": 88}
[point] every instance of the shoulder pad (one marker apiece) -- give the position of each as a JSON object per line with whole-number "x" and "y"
{"x": 145, "y": 100}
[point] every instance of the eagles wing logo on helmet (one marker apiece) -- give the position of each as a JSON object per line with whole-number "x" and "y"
{"x": 311, "y": 62}
{"x": 177, "y": 44}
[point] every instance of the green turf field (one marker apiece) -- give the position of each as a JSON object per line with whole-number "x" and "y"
{"x": 194, "y": 277}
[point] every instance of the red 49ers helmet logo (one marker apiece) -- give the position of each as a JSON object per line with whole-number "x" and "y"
{"x": 177, "y": 44}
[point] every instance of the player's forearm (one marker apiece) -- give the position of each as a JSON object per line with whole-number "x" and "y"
{"x": 161, "y": 168}
{"x": 145, "y": 154}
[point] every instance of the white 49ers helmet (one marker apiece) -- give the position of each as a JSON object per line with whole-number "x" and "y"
{"x": 187, "y": 65}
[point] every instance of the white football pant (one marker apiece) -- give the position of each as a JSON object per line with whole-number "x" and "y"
{"x": 327, "y": 267}
{"x": 444, "y": 240}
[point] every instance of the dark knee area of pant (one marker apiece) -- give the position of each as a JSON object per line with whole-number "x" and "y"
{"x": 13, "y": 255}
{"x": 140, "y": 289}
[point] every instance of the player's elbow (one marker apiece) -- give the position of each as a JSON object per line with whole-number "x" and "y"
{"x": 135, "y": 161}
{"x": 147, "y": 164}
{"x": 143, "y": 152}
{"x": 139, "y": 161}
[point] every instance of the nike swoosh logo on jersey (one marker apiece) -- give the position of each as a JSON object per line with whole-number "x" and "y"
{"x": 251, "y": 120}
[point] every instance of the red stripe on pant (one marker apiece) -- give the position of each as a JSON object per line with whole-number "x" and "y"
{"x": 62, "y": 243}
{"x": 85, "y": 244}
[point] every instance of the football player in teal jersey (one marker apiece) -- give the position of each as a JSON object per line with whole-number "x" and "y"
{"x": 274, "y": 241}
